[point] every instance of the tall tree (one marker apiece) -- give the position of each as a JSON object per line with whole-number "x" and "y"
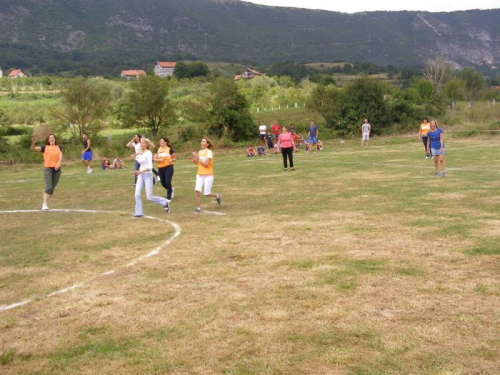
{"x": 438, "y": 72}
{"x": 85, "y": 102}
{"x": 148, "y": 105}
{"x": 474, "y": 83}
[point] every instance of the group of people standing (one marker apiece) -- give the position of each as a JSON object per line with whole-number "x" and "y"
{"x": 432, "y": 137}
{"x": 143, "y": 169}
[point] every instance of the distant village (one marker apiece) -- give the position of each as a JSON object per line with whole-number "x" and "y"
{"x": 161, "y": 69}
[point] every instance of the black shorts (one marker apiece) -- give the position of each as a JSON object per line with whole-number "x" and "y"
{"x": 262, "y": 136}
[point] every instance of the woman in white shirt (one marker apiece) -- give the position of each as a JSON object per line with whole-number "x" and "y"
{"x": 135, "y": 143}
{"x": 145, "y": 178}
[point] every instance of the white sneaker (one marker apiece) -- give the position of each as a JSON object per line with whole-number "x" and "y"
{"x": 89, "y": 170}
{"x": 158, "y": 178}
{"x": 45, "y": 207}
{"x": 173, "y": 191}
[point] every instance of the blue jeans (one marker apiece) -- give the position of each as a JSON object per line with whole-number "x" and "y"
{"x": 145, "y": 179}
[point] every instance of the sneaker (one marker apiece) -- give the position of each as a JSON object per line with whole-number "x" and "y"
{"x": 158, "y": 178}
{"x": 173, "y": 191}
{"x": 284, "y": 170}
{"x": 292, "y": 169}
{"x": 437, "y": 174}
{"x": 154, "y": 181}
{"x": 196, "y": 211}
{"x": 138, "y": 215}
{"x": 45, "y": 207}
{"x": 89, "y": 170}
{"x": 167, "y": 207}
{"x": 443, "y": 174}
{"x": 218, "y": 199}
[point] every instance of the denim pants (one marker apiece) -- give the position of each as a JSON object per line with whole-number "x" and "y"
{"x": 145, "y": 179}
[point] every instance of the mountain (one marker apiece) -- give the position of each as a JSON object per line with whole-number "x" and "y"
{"x": 110, "y": 35}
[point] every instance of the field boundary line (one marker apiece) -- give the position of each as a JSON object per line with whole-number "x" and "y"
{"x": 154, "y": 252}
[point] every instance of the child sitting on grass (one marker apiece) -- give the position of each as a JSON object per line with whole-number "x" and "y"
{"x": 261, "y": 150}
{"x": 250, "y": 152}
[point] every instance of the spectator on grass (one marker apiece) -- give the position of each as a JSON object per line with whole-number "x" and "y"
{"x": 205, "y": 174}
{"x": 319, "y": 145}
{"x": 261, "y": 151}
{"x": 287, "y": 147}
{"x": 312, "y": 136}
{"x": 118, "y": 163}
{"x": 292, "y": 128}
{"x": 422, "y": 135}
{"x": 269, "y": 140}
{"x": 52, "y": 159}
{"x": 105, "y": 164}
{"x": 262, "y": 131}
{"x": 435, "y": 142}
{"x": 365, "y": 131}
{"x": 145, "y": 178}
{"x": 276, "y": 131}
{"x": 276, "y": 148}
{"x": 250, "y": 152}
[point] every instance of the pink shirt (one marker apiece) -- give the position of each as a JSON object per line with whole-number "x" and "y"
{"x": 285, "y": 140}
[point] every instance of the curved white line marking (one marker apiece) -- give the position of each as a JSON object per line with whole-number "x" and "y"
{"x": 152, "y": 253}
{"x": 213, "y": 213}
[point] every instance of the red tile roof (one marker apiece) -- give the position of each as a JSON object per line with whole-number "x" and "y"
{"x": 237, "y": 77}
{"x": 254, "y": 72}
{"x": 166, "y": 64}
{"x": 133, "y": 73}
{"x": 15, "y": 72}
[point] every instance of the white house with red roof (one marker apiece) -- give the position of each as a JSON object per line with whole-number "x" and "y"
{"x": 17, "y": 73}
{"x": 165, "y": 68}
{"x": 132, "y": 74}
{"x": 250, "y": 73}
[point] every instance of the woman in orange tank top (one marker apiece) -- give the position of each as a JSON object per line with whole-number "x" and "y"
{"x": 52, "y": 159}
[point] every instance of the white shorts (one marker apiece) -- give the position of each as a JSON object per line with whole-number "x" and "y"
{"x": 366, "y": 137}
{"x": 205, "y": 181}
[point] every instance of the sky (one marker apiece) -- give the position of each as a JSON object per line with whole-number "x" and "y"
{"x": 352, "y": 6}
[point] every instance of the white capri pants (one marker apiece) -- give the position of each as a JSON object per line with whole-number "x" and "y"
{"x": 204, "y": 181}
{"x": 366, "y": 137}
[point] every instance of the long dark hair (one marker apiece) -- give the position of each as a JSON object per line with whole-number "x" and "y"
{"x": 138, "y": 135}
{"x": 166, "y": 141}
{"x": 47, "y": 143}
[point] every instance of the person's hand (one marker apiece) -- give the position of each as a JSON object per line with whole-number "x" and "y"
{"x": 132, "y": 156}
{"x": 57, "y": 168}
{"x": 137, "y": 173}
{"x": 33, "y": 141}
{"x": 83, "y": 152}
{"x": 441, "y": 149}
{"x": 195, "y": 155}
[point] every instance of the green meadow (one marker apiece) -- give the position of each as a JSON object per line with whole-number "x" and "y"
{"x": 359, "y": 262}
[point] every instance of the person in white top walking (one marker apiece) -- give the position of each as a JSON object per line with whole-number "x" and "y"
{"x": 365, "y": 130}
{"x": 145, "y": 178}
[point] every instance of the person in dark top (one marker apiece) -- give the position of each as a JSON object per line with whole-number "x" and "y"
{"x": 87, "y": 153}
{"x": 435, "y": 143}
{"x": 312, "y": 139}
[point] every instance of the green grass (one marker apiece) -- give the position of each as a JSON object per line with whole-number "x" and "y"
{"x": 360, "y": 262}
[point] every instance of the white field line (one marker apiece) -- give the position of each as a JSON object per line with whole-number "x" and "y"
{"x": 152, "y": 253}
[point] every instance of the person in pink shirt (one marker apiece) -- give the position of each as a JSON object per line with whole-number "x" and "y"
{"x": 287, "y": 146}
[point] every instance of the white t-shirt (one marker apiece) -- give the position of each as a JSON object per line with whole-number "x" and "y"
{"x": 137, "y": 148}
{"x": 366, "y": 128}
{"x": 145, "y": 160}
{"x": 263, "y": 129}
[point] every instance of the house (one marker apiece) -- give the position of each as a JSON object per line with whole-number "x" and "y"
{"x": 165, "y": 69}
{"x": 17, "y": 73}
{"x": 237, "y": 77}
{"x": 250, "y": 73}
{"x": 132, "y": 74}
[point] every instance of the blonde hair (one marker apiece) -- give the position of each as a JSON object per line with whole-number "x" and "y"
{"x": 149, "y": 144}
{"x": 210, "y": 145}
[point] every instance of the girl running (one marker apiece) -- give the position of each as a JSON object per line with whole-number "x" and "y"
{"x": 205, "y": 175}
{"x": 422, "y": 134}
{"x": 435, "y": 143}
{"x": 145, "y": 178}
{"x": 165, "y": 157}
{"x": 135, "y": 143}
{"x": 287, "y": 146}
{"x": 52, "y": 158}
{"x": 87, "y": 153}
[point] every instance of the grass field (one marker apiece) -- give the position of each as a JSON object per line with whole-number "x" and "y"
{"x": 360, "y": 262}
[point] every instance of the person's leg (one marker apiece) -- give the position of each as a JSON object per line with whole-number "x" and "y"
{"x": 161, "y": 173}
{"x": 436, "y": 167}
{"x": 424, "y": 141}
{"x": 138, "y": 200}
{"x": 290, "y": 156}
{"x": 169, "y": 173}
{"x": 55, "y": 179}
{"x": 47, "y": 177}
{"x": 148, "y": 181}
{"x": 197, "y": 199}
{"x": 283, "y": 153}
{"x": 443, "y": 165}
{"x": 197, "y": 191}
{"x": 136, "y": 168}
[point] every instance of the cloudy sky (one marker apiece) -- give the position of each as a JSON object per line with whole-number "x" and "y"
{"x": 352, "y": 6}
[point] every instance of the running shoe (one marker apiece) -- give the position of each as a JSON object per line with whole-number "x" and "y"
{"x": 196, "y": 211}
{"x": 218, "y": 199}
{"x": 284, "y": 170}
{"x": 138, "y": 215}
{"x": 173, "y": 191}
{"x": 437, "y": 174}
{"x": 443, "y": 174}
{"x": 45, "y": 207}
{"x": 167, "y": 207}
{"x": 158, "y": 178}
{"x": 292, "y": 169}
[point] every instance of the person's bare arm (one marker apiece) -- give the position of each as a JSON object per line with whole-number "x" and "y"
{"x": 33, "y": 147}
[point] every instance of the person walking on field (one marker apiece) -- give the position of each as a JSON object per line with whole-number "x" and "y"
{"x": 52, "y": 159}
{"x": 422, "y": 135}
{"x": 87, "y": 153}
{"x": 366, "y": 128}
{"x": 287, "y": 146}
{"x": 435, "y": 143}
{"x": 312, "y": 136}
{"x": 145, "y": 178}
{"x": 205, "y": 174}
{"x": 165, "y": 157}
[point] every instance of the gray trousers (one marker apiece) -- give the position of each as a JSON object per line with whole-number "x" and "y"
{"x": 51, "y": 178}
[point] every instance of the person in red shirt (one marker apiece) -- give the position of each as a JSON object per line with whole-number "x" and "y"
{"x": 276, "y": 131}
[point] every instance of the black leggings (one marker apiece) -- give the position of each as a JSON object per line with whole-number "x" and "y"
{"x": 287, "y": 151}
{"x": 166, "y": 174}
{"x": 424, "y": 140}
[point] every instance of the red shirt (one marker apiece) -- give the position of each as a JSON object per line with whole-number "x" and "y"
{"x": 275, "y": 129}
